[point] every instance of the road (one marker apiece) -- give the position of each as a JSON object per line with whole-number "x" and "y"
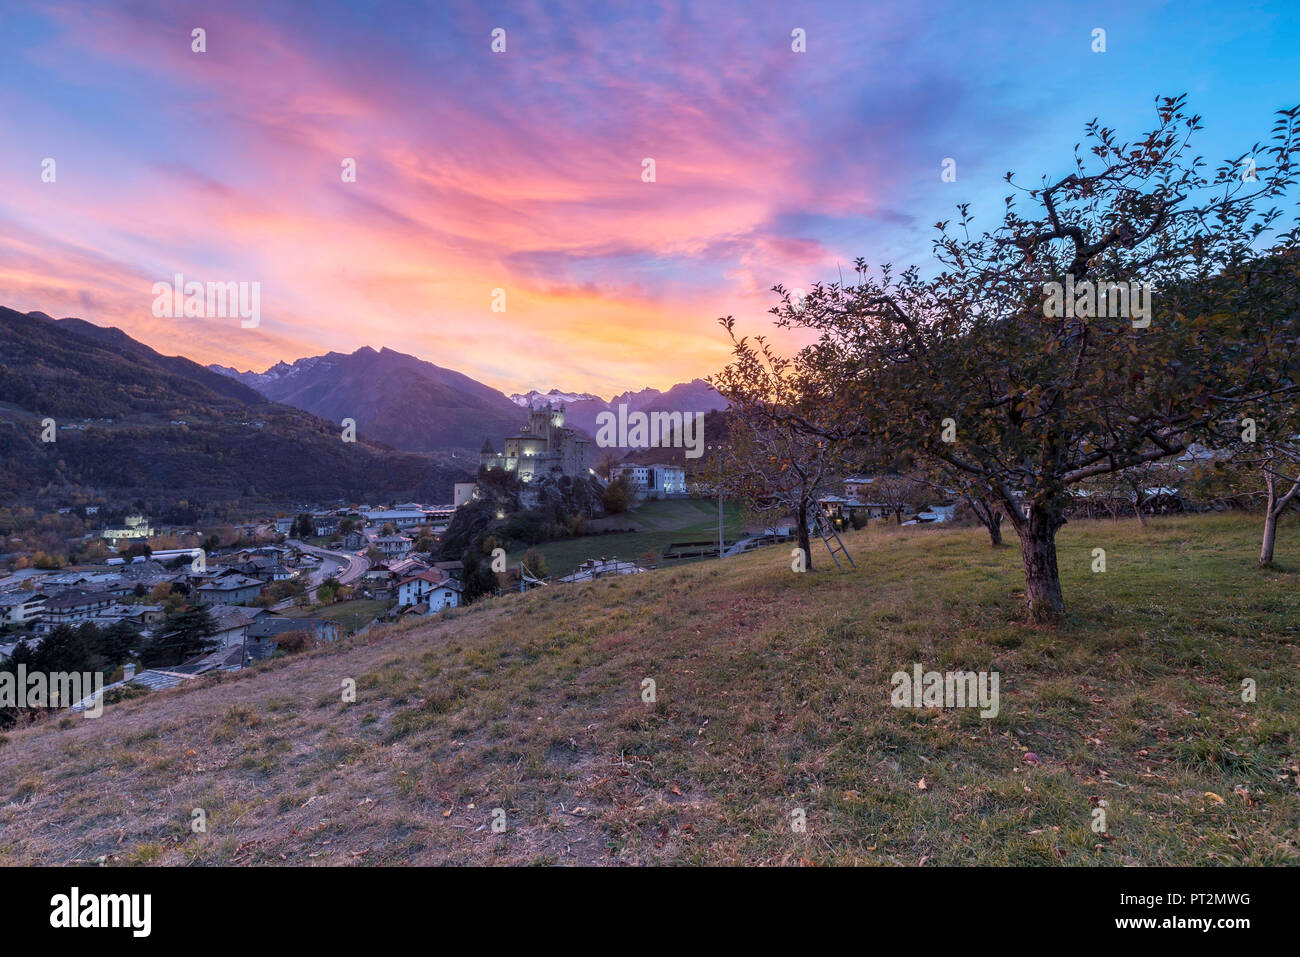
{"x": 346, "y": 567}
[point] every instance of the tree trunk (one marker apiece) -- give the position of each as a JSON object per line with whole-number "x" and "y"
{"x": 1276, "y": 506}
{"x": 1270, "y": 536}
{"x": 805, "y": 542}
{"x": 1142, "y": 519}
{"x": 1038, "y": 555}
{"x": 995, "y": 528}
{"x": 1270, "y": 518}
{"x": 990, "y": 517}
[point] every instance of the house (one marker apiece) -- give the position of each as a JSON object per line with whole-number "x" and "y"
{"x": 933, "y": 515}
{"x": 840, "y": 508}
{"x": 118, "y": 588}
{"x": 150, "y": 575}
{"x": 393, "y": 546}
{"x": 446, "y": 594}
{"x": 355, "y": 540}
{"x": 454, "y": 570}
{"x": 403, "y": 516}
{"x": 439, "y": 514}
{"x": 22, "y": 607}
{"x": 377, "y": 573}
{"x": 229, "y": 590}
{"x": 327, "y": 524}
{"x": 111, "y": 615}
{"x": 265, "y": 568}
{"x": 652, "y": 481}
{"x": 414, "y": 589}
{"x": 65, "y": 580}
{"x": 264, "y": 634}
{"x": 405, "y": 567}
{"x": 141, "y": 571}
{"x": 144, "y": 616}
{"x": 73, "y": 607}
{"x": 858, "y": 486}
{"x": 233, "y": 621}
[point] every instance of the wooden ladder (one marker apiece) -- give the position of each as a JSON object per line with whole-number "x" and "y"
{"x": 826, "y": 529}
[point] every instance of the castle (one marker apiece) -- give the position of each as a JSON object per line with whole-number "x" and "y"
{"x": 543, "y": 447}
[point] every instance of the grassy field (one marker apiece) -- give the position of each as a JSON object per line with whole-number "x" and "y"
{"x": 659, "y": 525}
{"x": 772, "y": 700}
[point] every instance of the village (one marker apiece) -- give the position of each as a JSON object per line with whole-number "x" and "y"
{"x": 321, "y": 574}
{"x": 313, "y": 574}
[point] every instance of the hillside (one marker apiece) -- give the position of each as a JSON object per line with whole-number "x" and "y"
{"x": 395, "y": 398}
{"x": 773, "y": 696}
{"x": 133, "y": 423}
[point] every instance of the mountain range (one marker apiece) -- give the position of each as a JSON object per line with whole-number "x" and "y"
{"x": 133, "y": 424}
{"x": 581, "y": 408}
{"x": 128, "y": 423}
{"x": 394, "y": 398}
{"x": 412, "y": 404}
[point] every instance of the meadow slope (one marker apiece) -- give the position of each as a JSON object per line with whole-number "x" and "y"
{"x": 772, "y": 696}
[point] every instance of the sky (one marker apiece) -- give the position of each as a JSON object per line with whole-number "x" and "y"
{"x": 517, "y": 179}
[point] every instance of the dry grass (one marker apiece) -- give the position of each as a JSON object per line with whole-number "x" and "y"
{"x": 773, "y": 695}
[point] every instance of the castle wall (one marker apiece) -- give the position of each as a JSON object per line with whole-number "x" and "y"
{"x": 552, "y": 447}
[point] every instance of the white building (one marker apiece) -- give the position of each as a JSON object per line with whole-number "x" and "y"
{"x": 858, "y": 486}
{"x": 430, "y": 588}
{"x": 393, "y": 546}
{"x": 933, "y": 515}
{"x": 417, "y": 588}
{"x": 659, "y": 481}
{"x": 21, "y": 607}
{"x": 136, "y": 530}
{"x": 403, "y": 516}
{"x": 446, "y": 595}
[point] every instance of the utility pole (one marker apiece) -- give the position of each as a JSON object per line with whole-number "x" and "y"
{"x": 722, "y": 541}
{"x": 720, "y": 538}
